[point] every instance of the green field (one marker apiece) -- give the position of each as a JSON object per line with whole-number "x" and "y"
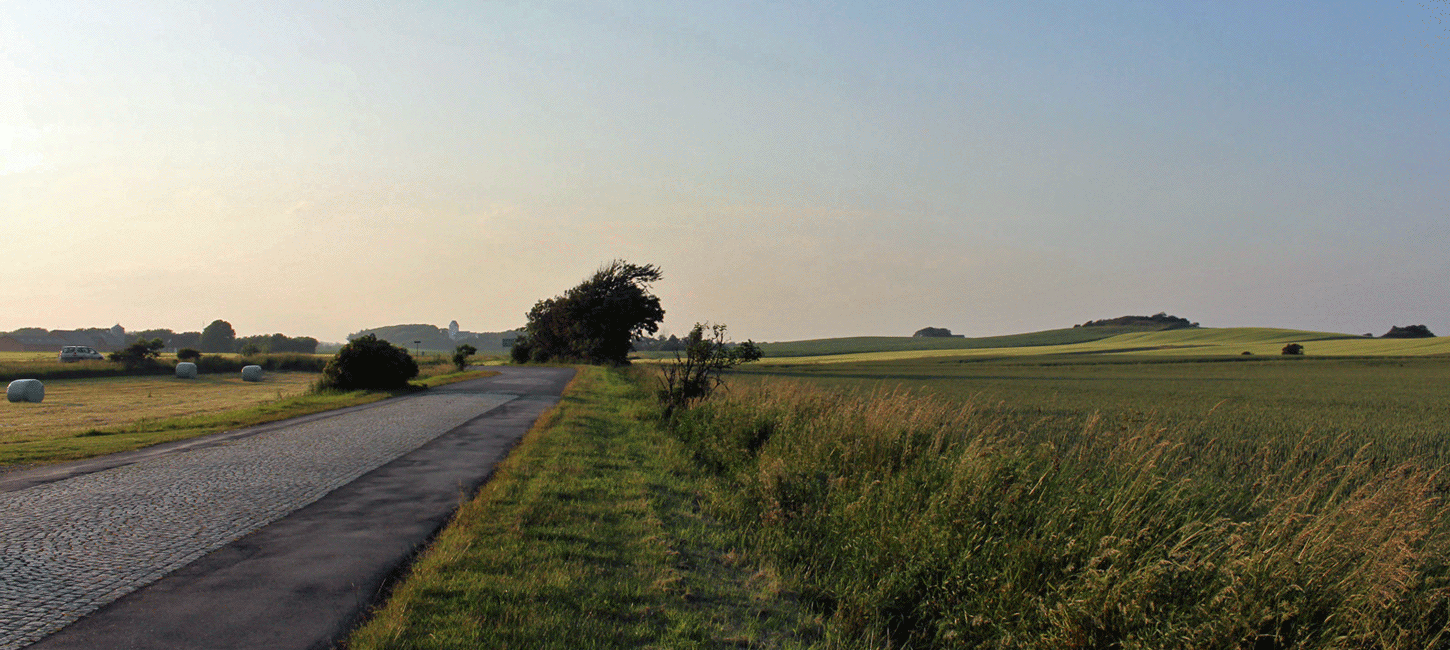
{"x": 1113, "y": 500}
{"x": 1116, "y": 341}
{"x": 860, "y": 344}
{"x": 1405, "y": 399}
{"x": 1133, "y": 497}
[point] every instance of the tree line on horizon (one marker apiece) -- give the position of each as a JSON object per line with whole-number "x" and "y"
{"x": 217, "y": 337}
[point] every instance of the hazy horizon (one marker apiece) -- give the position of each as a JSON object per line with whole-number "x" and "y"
{"x": 797, "y": 170}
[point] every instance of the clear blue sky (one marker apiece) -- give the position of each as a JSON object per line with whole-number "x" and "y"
{"x": 799, "y": 170}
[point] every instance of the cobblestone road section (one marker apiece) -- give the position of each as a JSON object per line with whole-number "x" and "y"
{"x": 67, "y": 548}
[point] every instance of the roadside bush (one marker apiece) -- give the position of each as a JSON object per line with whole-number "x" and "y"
{"x": 217, "y": 363}
{"x": 522, "y": 351}
{"x": 141, "y": 353}
{"x": 696, "y": 373}
{"x": 368, "y": 362}
{"x": 295, "y": 362}
{"x": 461, "y": 354}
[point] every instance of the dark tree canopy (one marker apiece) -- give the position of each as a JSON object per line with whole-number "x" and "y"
{"x": 218, "y": 337}
{"x": 933, "y": 332}
{"x": 279, "y": 342}
{"x": 596, "y": 321}
{"x": 1409, "y": 332}
{"x": 141, "y": 352}
{"x": 1161, "y": 320}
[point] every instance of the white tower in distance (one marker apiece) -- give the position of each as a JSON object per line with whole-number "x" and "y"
{"x": 453, "y": 330}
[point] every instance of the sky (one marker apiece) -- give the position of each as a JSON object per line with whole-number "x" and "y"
{"x": 796, "y": 169}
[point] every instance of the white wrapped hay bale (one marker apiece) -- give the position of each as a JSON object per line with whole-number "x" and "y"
{"x": 186, "y": 370}
{"x": 25, "y": 390}
{"x": 251, "y": 373}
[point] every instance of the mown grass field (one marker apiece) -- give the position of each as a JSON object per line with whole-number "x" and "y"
{"x": 83, "y": 418}
{"x": 8, "y": 356}
{"x": 74, "y": 406}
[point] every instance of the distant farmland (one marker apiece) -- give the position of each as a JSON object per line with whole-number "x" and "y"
{"x": 1195, "y": 342}
{"x": 1149, "y": 489}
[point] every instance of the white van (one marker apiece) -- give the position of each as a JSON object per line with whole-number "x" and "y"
{"x": 79, "y": 353}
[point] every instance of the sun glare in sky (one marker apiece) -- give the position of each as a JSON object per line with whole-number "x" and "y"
{"x": 798, "y": 170}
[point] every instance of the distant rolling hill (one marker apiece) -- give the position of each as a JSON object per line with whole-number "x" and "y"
{"x": 861, "y": 344}
{"x": 1121, "y": 342}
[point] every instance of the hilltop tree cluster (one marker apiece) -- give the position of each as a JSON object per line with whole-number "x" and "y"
{"x": 935, "y": 332}
{"x": 596, "y": 321}
{"x": 1409, "y": 332}
{"x": 1160, "y": 320}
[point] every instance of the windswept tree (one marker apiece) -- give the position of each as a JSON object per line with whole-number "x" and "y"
{"x": 596, "y": 321}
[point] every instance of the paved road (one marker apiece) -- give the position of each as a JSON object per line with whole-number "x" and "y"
{"x": 273, "y": 537}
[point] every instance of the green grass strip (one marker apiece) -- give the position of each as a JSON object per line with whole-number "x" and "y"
{"x": 588, "y": 536}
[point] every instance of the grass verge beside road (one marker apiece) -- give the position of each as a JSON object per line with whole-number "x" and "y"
{"x": 150, "y": 417}
{"x": 588, "y": 536}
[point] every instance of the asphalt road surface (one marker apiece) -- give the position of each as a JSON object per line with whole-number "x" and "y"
{"x": 278, "y": 536}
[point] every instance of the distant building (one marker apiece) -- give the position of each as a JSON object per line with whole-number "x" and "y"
{"x": 453, "y": 330}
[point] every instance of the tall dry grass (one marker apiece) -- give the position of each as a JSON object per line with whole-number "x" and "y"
{"x": 917, "y": 522}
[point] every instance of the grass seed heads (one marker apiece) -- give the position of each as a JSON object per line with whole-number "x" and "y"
{"x": 25, "y": 390}
{"x": 186, "y": 370}
{"x": 251, "y": 373}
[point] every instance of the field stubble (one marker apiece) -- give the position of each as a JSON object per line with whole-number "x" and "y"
{"x": 83, "y": 418}
{"x": 75, "y": 406}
